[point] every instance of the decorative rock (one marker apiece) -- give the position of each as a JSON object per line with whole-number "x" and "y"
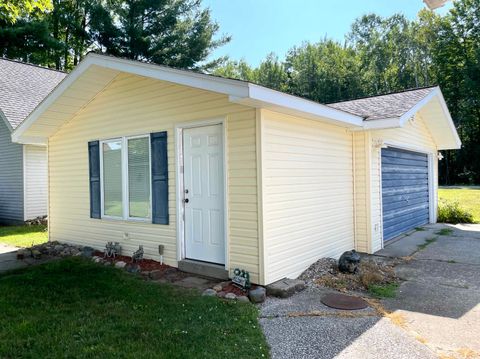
{"x": 99, "y": 260}
{"x": 156, "y": 274}
{"x": 36, "y": 254}
{"x": 230, "y": 296}
{"x": 120, "y": 264}
{"x": 284, "y": 288}
{"x": 348, "y": 262}
{"x": 209, "y": 293}
{"x": 217, "y": 288}
{"x": 87, "y": 251}
{"x": 133, "y": 268}
{"x": 58, "y": 248}
{"x": 94, "y": 258}
{"x": 221, "y": 294}
{"x": 258, "y": 295}
{"x": 243, "y": 299}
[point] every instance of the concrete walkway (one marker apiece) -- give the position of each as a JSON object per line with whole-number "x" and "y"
{"x": 8, "y": 258}
{"x": 440, "y": 298}
{"x": 436, "y": 312}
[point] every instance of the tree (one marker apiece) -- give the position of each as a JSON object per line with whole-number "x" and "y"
{"x": 177, "y": 33}
{"x": 11, "y": 10}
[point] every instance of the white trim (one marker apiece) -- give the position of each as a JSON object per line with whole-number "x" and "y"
{"x": 238, "y": 91}
{"x": 125, "y": 190}
{"x": 180, "y": 185}
{"x": 458, "y": 142}
{"x": 270, "y": 97}
{"x": 410, "y": 113}
{"x": 24, "y": 169}
{"x": 431, "y": 188}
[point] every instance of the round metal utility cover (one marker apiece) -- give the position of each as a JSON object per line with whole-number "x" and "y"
{"x": 345, "y": 302}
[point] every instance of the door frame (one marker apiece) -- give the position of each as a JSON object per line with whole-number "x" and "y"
{"x": 432, "y": 202}
{"x": 180, "y": 186}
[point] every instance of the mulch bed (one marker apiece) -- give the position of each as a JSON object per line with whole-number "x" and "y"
{"x": 170, "y": 274}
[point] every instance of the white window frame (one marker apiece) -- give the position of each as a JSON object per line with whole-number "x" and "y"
{"x": 125, "y": 189}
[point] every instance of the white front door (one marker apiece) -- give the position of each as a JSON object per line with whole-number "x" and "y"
{"x": 204, "y": 194}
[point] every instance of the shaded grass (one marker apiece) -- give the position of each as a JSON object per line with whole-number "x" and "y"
{"x": 427, "y": 242}
{"x": 23, "y": 236}
{"x": 468, "y": 198}
{"x": 73, "y": 308}
{"x": 383, "y": 291}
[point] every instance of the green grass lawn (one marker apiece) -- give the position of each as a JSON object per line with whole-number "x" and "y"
{"x": 23, "y": 236}
{"x": 73, "y": 308}
{"x": 468, "y": 198}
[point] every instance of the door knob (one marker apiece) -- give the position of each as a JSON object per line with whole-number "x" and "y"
{"x": 186, "y": 200}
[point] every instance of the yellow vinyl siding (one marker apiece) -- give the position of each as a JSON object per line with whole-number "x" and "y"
{"x": 362, "y": 202}
{"x": 307, "y": 179}
{"x": 415, "y": 136}
{"x": 131, "y": 105}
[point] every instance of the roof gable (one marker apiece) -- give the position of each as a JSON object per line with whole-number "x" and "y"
{"x": 23, "y": 87}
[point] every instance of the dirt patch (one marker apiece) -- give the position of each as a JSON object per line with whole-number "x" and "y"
{"x": 325, "y": 273}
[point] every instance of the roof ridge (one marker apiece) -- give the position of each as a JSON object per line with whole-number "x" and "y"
{"x": 384, "y": 94}
{"x": 33, "y": 65}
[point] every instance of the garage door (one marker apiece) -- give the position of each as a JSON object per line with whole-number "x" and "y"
{"x": 405, "y": 196}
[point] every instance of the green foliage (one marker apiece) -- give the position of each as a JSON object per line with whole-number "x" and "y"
{"x": 23, "y": 236}
{"x": 11, "y": 10}
{"x": 178, "y": 33}
{"x": 452, "y": 212}
{"x": 469, "y": 197}
{"x": 444, "y": 232}
{"x": 382, "y": 55}
{"x": 383, "y": 290}
{"x": 427, "y": 242}
{"x": 73, "y": 308}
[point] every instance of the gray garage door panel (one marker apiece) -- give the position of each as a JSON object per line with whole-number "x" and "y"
{"x": 405, "y": 192}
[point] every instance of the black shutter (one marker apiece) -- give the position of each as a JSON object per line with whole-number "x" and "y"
{"x": 159, "y": 165}
{"x": 94, "y": 165}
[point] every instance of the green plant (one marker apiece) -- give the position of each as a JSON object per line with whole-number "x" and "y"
{"x": 73, "y": 308}
{"x": 451, "y": 212}
{"x": 444, "y": 232}
{"x": 427, "y": 242}
{"x": 384, "y": 290}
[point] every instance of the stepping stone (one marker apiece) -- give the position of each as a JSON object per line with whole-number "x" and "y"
{"x": 193, "y": 282}
{"x": 284, "y": 288}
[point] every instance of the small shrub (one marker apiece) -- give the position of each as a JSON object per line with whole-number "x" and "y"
{"x": 384, "y": 291}
{"x": 451, "y": 212}
{"x": 370, "y": 278}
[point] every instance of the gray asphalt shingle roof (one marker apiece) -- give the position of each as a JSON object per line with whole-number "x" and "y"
{"x": 383, "y": 106}
{"x": 23, "y": 87}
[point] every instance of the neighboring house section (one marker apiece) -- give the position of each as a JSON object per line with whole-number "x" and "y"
{"x": 23, "y": 168}
{"x": 225, "y": 174}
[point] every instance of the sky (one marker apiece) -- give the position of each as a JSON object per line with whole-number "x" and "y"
{"x": 259, "y": 27}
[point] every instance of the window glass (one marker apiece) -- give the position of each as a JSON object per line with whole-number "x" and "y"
{"x": 139, "y": 177}
{"x": 112, "y": 178}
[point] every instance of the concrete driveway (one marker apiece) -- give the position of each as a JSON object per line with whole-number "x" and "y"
{"x": 436, "y": 312}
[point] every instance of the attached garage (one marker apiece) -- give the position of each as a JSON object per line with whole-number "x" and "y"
{"x": 405, "y": 191}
